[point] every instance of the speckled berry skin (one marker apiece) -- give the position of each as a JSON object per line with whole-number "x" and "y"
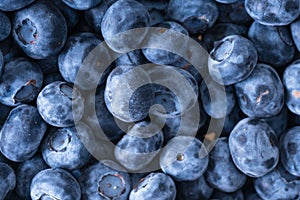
{"x": 7, "y": 179}
{"x": 62, "y": 147}
{"x": 21, "y": 82}
{"x": 54, "y": 183}
{"x": 154, "y": 186}
{"x": 81, "y": 4}
{"x": 40, "y": 30}
{"x": 12, "y": 5}
{"x": 253, "y": 147}
{"x": 93, "y": 178}
{"x": 60, "y": 104}
{"x": 24, "y": 127}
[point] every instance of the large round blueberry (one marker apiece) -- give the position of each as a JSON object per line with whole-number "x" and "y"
{"x": 100, "y": 182}
{"x": 21, "y": 82}
{"x": 273, "y": 13}
{"x": 81, "y": 4}
{"x": 7, "y": 180}
{"x": 290, "y": 156}
{"x": 5, "y": 26}
{"x": 195, "y": 15}
{"x": 232, "y": 59}
{"x": 122, "y": 16}
{"x": 184, "y": 158}
{"x": 253, "y": 149}
{"x": 221, "y": 172}
{"x": 154, "y": 186}
{"x": 25, "y": 173}
{"x": 12, "y": 5}
{"x": 291, "y": 82}
{"x": 71, "y": 58}
{"x": 60, "y": 104}
{"x": 54, "y": 183}
{"x": 261, "y": 95}
{"x": 274, "y": 44}
{"x": 62, "y": 147}
{"x": 40, "y": 30}
{"x": 22, "y": 133}
{"x": 139, "y": 146}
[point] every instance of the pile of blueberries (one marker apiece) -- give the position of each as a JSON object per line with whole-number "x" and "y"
{"x": 50, "y": 145}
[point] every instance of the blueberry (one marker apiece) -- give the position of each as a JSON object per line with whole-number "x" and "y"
{"x": 221, "y": 172}
{"x": 261, "y": 95}
{"x": 160, "y": 5}
{"x": 253, "y": 149}
{"x": 24, "y": 127}
{"x": 273, "y": 13}
{"x": 12, "y": 5}
{"x": 227, "y": 1}
{"x": 81, "y": 4}
{"x": 7, "y": 180}
{"x": 154, "y": 186}
{"x": 5, "y": 26}
{"x": 278, "y": 184}
{"x": 194, "y": 190}
{"x": 60, "y": 104}
{"x": 163, "y": 57}
{"x": 54, "y": 183}
{"x": 291, "y": 83}
{"x": 295, "y": 31}
{"x": 139, "y": 146}
{"x": 100, "y": 181}
{"x": 214, "y": 106}
{"x": 135, "y": 58}
{"x": 274, "y": 44}
{"x": 40, "y": 30}
{"x": 184, "y": 158}
{"x": 232, "y": 59}
{"x": 71, "y": 58}
{"x": 196, "y": 15}
{"x": 21, "y": 82}
{"x": 122, "y": 16}
{"x": 63, "y": 148}
{"x": 25, "y": 172}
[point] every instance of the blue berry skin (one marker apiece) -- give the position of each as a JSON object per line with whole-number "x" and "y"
{"x": 196, "y": 15}
{"x": 291, "y": 81}
{"x": 220, "y": 31}
{"x": 221, "y": 172}
{"x": 5, "y": 26}
{"x": 238, "y": 195}
{"x": 234, "y": 13}
{"x": 7, "y": 180}
{"x": 227, "y": 1}
{"x": 273, "y": 13}
{"x": 135, "y": 58}
{"x": 95, "y": 15}
{"x": 232, "y": 60}
{"x": 62, "y": 147}
{"x": 122, "y": 16}
{"x": 54, "y": 183}
{"x": 139, "y": 146}
{"x": 24, "y": 127}
{"x": 274, "y": 44}
{"x": 81, "y": 4}
{"x": 60, "y": 104}
{"x": 40, "y": 30}
{"x": 253, "y": 147}
{"x": 218, "y": 108}
{"x": 163, "y": 57}
{"x": 100, "y": 182}
{"x": 290, "y": 157}
{"x": 160, "y": 5}
{"x": 21, "y": 82}
{"x": 156, "y": 185}
{"x": 278, "y": 184}
{"x": 184, "y": 158}
{"x": 194, "y": 190}
{"x": 295, "y": 30}
{"x": 25, "y": 173}
{"x": 12, "y": 5}
{"x": 261, "y": 95}
{"x": 77, "y": 47}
